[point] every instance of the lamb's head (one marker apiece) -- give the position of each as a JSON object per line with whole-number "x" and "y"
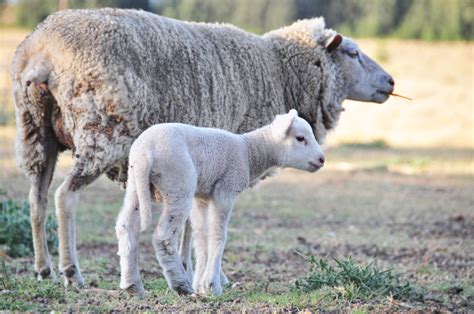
{"x": 297, "y": 145}
{"x": 364, "y": 79}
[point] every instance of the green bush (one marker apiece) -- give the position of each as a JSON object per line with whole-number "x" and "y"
{"x": 356, "y": 282}
{"x": 15, "y": 229}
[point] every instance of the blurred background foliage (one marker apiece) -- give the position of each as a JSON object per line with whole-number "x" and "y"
{"x": 416, "y": 19}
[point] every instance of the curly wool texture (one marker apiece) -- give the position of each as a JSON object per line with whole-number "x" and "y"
{"x": 113, "y": 73}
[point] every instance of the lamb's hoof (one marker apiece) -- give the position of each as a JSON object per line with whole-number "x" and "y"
{"x": 215, "y": 289}
{"x": 135, "y": 291}
{"x": 210, "y": 289}
{"x": 72, "y": 277}
{"x": 46, "y": 273}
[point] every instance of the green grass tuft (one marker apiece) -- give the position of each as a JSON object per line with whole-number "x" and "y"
{"x": 353, "y": 281}
{"x": 15, "y": 229}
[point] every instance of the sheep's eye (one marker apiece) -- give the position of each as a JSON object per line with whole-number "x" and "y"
{"x": 353, "y": 53}
{"x": 300, "y": 138}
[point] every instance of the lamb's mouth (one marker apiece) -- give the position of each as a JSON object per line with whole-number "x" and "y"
{"x": 315, "y": 166}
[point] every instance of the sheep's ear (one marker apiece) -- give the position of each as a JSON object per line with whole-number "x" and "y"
{"x": 282, "y": 124}
{"x": 333, "y": 43}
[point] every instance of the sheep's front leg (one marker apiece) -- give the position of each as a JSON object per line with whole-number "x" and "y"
{"x": 128, "y": 230}
{"x": 66, "y": 199}
{"x": 218, "y": 218}
{"x": 165, "y": 241}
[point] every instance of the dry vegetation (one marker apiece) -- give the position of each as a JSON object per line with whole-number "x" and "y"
{"x": 397, "y": 188}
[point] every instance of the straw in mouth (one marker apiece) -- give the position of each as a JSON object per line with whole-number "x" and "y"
{"x": 397, "y": 95}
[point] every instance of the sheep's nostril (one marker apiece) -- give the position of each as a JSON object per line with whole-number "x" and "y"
{"x": 322, "y": 160}
{"x": 391, "y": 81}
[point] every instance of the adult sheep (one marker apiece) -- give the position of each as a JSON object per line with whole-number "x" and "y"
{"x": 92, "y": 80}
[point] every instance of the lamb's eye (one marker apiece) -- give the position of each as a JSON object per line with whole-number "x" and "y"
{"x": 300, "y": 138}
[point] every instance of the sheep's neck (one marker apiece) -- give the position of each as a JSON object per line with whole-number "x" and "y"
{"x": 262, "y": 154}
{"x": 318, "y": 101}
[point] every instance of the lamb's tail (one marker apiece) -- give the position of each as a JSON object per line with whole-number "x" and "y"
{"x": 141, "y": 171}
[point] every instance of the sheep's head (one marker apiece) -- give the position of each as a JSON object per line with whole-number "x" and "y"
{"x": 363, "y": 78}
{"x": 298, "y": 146}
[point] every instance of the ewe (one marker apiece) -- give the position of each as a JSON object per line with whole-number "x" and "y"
{"x": 91, "y": 81}
{"x": 207, "y": 167}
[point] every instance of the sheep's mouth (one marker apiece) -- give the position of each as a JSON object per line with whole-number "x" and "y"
{"x": 381, "y": 96}
{"x": 386, "y": 93}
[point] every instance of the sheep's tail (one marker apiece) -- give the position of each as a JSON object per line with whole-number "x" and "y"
{"x": 33, "y": 110}
{"x": 141, "y": 171}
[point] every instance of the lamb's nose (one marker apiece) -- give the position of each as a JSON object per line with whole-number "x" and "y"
{"x": 322, "y": 160}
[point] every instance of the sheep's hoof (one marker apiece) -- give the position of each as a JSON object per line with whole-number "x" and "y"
{"x": 46, "y": 273}
{"x": 135, "y": 291}
{"x": 183, "y": 289}
{"x": 72, "y": 277}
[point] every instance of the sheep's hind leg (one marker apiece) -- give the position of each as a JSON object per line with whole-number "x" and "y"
{"x": 165, "y": 241}
{"x": 38, "y": 197}
{"x": 128, "y": 230}
{"x": 66, "y": 199}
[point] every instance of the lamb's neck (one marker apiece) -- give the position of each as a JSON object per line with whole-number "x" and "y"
{"x": 263, "y": 154}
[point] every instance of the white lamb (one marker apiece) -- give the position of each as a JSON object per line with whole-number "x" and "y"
{"x": 210, "y": 167}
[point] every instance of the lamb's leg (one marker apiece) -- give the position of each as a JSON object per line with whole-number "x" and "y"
{"x": 165, "y": 240}
{"x": 199, "y": 228}
{"x": 218, "y": 218}
{"x": 128, "y": 230}
{"x": 66, "y": 199}
{"x": 185, "y": 249}
{"x": 38, "y": 198}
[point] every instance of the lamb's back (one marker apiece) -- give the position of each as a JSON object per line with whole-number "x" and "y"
{"x": 212, "y": 152}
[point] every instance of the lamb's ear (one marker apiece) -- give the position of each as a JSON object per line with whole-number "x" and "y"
{"x": 333, "y": 42}
{"x": 282, "y": 123}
